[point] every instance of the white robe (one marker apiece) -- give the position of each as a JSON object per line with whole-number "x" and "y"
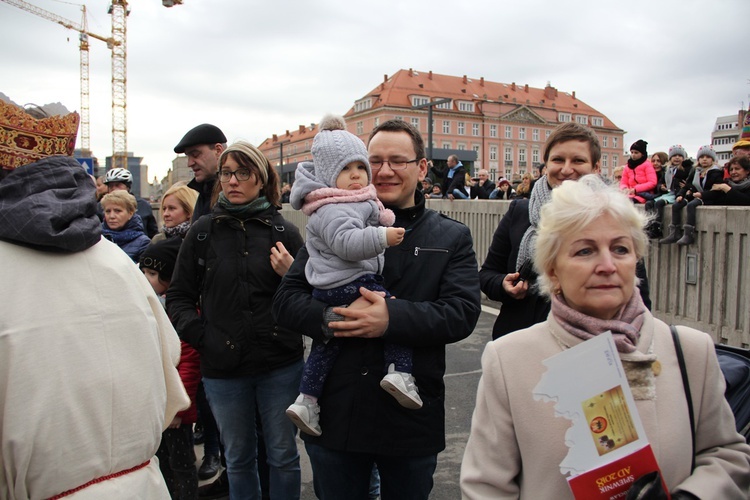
{"x": 87, "y": 374}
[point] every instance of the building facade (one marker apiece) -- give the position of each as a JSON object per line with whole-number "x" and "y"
{"x": 498, "y": 126}
{"x": 726, "y": 132}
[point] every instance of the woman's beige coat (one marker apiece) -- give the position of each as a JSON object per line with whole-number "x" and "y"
{"x": 516, "y": 443}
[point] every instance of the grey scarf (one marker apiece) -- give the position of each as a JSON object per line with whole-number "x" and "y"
{"x": 540, "y": 195}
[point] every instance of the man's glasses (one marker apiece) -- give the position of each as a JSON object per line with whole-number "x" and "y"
{"x": 242, "y": 174}
{"x": 394, "y": 164}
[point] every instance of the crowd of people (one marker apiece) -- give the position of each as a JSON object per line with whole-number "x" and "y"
{"x": 210, "y": 328}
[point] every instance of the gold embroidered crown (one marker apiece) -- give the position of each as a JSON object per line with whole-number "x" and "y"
{"x": 25, "y": 139}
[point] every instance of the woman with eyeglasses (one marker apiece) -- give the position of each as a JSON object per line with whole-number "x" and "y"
{"x": 228, "y": 269}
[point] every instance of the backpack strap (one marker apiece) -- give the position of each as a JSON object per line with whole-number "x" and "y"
{"x": 278, "y": 228}
{"x": 686, "y": 386}
{"x": 202, "y": 240}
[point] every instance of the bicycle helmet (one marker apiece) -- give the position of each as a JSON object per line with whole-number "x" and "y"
{"x": 119, "y": 175}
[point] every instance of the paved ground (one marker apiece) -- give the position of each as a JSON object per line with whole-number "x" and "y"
{"x": 461, "y": 378}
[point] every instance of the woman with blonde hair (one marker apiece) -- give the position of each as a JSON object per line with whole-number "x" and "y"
{"x": 524, "y": 188}
{"x": 589, "y": 239}
{"x": 176, "y": 211}
{"x": 122, "y": 225}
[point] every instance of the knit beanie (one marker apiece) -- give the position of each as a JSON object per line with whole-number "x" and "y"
{"x": 677, "y": 149}
{"x": 706, "y": 151}
{"x": 334, "y": 148}
{"x": 161, "y": 257}
{"x": 640, "y": 146}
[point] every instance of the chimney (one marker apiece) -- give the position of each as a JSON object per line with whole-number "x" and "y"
{"x": 302, "y": 129}
{"x": 550, "y": 92}
{"x": 385, "y": 80}
{"x": 287, "y": 133}
{"x": 411, "y": 72}
{"x": 574, "y": 94}
{"x": 465, "y": 80}
{"x": 526, "y": 88}
{"x": 275, "y": 138}
{"x": 481, "y": 82}
{"x": 430, "y": 77}
{"x": 513, "y": 86}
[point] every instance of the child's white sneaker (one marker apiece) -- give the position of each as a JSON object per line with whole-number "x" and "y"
{"x": 304, "y": 412}
{"x": 401, "y": 386}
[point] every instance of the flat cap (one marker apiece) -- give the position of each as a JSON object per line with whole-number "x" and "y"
{"x": 202, "y": 134}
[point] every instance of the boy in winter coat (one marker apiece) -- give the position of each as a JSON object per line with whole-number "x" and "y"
{"x": 176, "y": 455}
{"x": 346, "y": 238}
{"x": 639, "y": 176}
{"x": 700, "y": 179}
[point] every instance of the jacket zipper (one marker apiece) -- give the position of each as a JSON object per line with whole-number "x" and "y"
{"x": 418, "y": 249}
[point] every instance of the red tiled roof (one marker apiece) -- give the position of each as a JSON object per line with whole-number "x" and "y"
{"x": 398, "y": 90}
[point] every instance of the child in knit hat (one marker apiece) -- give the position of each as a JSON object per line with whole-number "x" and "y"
{"x": 639, "y": 177}
{"x": 176, "y": 455}
{"x": 675, "y": 175}
{"x": 699, "y": 180}
{"x": 346, "y": 239}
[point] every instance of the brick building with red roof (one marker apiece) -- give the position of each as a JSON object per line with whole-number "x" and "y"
{"x": 498, "y": 126}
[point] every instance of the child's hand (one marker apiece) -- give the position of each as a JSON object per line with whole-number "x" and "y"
{"x": 394, "y": 235}
{"x": 176, "y": 422}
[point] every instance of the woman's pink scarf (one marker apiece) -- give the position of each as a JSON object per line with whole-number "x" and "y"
{"x": 625, "y": 326}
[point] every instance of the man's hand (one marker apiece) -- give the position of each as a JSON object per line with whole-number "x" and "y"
{"x": 281, "y": 259}
{"x": 517, "y": 291}
{"x": 394, "y": 235}
{"x": 366, "y": 317}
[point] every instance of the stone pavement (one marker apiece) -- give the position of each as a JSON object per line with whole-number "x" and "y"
{"x": 461, "y": 377}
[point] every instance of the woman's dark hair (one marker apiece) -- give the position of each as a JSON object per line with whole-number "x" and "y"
{"x": 742, "y": 161}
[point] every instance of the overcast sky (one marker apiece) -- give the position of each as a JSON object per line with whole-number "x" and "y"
{"x": 662, "y": 70}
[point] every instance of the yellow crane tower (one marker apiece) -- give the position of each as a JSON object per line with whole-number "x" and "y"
{"x": 117, "y": 44}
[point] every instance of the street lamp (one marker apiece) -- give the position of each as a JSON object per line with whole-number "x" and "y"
{"x": 429, "y": 107}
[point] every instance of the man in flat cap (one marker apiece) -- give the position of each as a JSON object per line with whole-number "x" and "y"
{"x": 202, "y": 145}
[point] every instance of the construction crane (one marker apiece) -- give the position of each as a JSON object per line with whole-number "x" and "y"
{"x": 117, "y": 44}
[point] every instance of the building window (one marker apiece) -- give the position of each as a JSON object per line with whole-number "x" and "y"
{"x": 360, "y": 128}
{"x": 493, "y": 130}
{"x": 377, "y": 121}
{"x": 563, "y": 117}
{"x": 614, "y": 160}
{"x": 508, "y": 173}
{"x": 546, "y": 134}
{"x": 535, "y": 156}
{"x": 475, "y": 129}
{"x": 582, "y": 120}
{"x": 614, "y": 142}
{"x": 446, "y": 145}
{"x": 508, "y": 132}
{"x": 362, "y": 105}
{"x": 475, "y": 148}
{"x": 508, "y": 156}
{"x": 461, "y": 146}
{"x": 415, "y": 122}
{"x": 597, "y": 122}
{"x": 398, "y": 117}
{"x": 605, "y": 161}
{"x": 418, "y": 101}
{"x": 493, "y": 153}
{"x": 461, "y": 128}
{"x": 445, "y": 105}
{"x": 446, "y": 126}
{"x": 535, "y": 134}
{"x": 522, "y": 157}
{"x": 522, "y": 133}
{"x": 605, "y": 141}
{"x": 466, "y": 106}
